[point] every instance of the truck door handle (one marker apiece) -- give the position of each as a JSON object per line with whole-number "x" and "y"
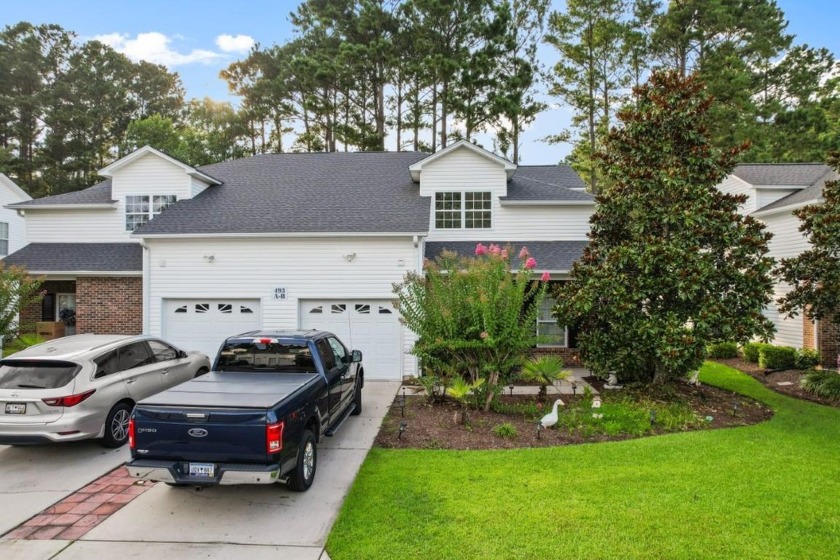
{"x": 130, "y": 381}
{"x": 164, "y": 372}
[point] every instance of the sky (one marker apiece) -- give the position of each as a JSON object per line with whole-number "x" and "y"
{"x": 198, "y": 38}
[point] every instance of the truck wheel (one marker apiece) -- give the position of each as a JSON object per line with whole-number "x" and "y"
{"x": 304, "y": 471}
{"x": 357, "y": 399}
{"x": 116, "y": 426}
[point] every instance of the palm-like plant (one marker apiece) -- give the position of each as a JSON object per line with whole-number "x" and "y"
{"x": 545, "y": 370}
{"x": 460, "y": 390}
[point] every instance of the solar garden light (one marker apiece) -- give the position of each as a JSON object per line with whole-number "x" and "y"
{"x": 403, "y": 426}
{"x": 511, "y": 387}
{"x": 539, "y": 429}
{"x": 436, "y": 388}
{"x": 401, "y": 402}
{"x": 574, "y": 387}
{"x": 735, "y": 408}
{"x": 652, "y": 417}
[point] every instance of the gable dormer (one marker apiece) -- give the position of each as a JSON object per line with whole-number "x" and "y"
{"x": 147, "y": 181}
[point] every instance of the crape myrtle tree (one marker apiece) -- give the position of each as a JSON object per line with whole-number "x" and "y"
{"x": 17, "y": 290}
{"x": 815, "y": 274}
{"x": 473, "y": 315}
{"x": 671, "y": 265}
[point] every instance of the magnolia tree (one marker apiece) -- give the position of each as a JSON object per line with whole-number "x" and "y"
{"x": 672, "y": 265}
{"x": 473, "y": 315}
{"x": 815, "y": 274}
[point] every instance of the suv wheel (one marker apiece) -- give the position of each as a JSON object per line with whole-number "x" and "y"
{"x": 116, "y": 426}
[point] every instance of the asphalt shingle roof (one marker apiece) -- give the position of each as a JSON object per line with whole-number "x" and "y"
{"x": 781, "y": 174}
{"x": 288, "y": 193}
{"x": 78, "y": 257}
{"x": 99, "y": 193}
{"x": 550, "y": 255}
{"x": 545, "y": 182}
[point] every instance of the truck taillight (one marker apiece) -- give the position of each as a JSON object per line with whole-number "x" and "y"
{"x": 131, "y": 443}
{"x": 274, "y": 437}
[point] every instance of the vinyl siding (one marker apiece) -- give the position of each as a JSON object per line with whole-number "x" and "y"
{"x": 787, "y": 241}
{"x": 76, "y": 226}
{"x": 734, "y": 185}
{"x": 150, "y": 175}
{"x": 463, "y": 170}
{"x": 196, "y": 187}
{"x": 769, "y": 196}
{"x": 307, "y": 268}
{"x": 17, "y": 225}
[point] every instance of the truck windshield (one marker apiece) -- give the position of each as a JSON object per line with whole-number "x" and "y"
{"x": 269, "y": 355}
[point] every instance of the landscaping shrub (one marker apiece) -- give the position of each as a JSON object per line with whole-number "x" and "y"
{"x": 807, "y": 358}
{"x": 722, "y": 350}
{"x": 751, "y": 350}
{"x": 505, "y": 430}
{"x": 824, "y": 383}
{"x": 777, "y": 357}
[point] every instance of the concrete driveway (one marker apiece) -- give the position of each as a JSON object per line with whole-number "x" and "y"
{"x": 232, "y": 521}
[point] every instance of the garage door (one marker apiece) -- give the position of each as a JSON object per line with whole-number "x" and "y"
{"x": 202, "y": 324}
{"x": 371, "y": 326}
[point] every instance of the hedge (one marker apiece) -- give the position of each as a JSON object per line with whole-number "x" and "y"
{"x": 777, "y": 357}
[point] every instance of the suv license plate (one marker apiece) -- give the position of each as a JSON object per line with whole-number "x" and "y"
{"x": 15, "y": 408}
{"x": 203, "y": 469}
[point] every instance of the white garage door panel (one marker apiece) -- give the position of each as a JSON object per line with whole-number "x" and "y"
{"x": 371, "y": 326}
{"x": 203, "y": 324}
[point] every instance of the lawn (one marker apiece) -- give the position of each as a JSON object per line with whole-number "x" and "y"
{"x": 766, "y": 491}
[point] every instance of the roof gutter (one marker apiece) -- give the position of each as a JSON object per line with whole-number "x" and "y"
{"x": 71, "y": 273}
{"x": 504, "y": 202}
{"x": 97, "y": 206}
{"x": 409, "y": 234}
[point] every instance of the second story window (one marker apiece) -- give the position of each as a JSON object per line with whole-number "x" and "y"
{"x": 456, "y": 210}
{"x": 4, "y": 239}
{"x": 139, "y": 209}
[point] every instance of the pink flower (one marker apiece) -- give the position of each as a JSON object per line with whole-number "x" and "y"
{"x": 523, "y": 253}
{"x": 504, "y": 254}
{"x": 480, "y": 250}
{"x": 545, "y": 276}
{"x": 495, "y": 249}
{"x": 530, "y": 263}
{"x": 483, "y": 335}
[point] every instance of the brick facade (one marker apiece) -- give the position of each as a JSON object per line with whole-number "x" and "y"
{"x": 32, "y": 314}
{"x": 109, "y": 305}
{"x": 829, "y": 342}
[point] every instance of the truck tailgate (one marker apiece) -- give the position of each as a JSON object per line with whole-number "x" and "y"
{"x": 212, "y": 435}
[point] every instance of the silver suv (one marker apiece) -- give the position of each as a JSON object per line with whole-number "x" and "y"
{"x": 85, "y": 386}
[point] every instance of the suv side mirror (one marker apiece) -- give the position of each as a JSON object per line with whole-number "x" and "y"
{"x": 357, "y": 356}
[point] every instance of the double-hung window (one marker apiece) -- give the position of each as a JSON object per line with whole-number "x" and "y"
{"x": 549, "y": 333}
{"x": 139, "y": 209}
{"x": 467, "y": 210}
{"x": 4, "y": 239}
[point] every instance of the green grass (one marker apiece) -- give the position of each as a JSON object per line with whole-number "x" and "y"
{"x": 766, "y": 491}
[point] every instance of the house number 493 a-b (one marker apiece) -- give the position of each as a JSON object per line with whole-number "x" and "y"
{"x": 279, "y": 293}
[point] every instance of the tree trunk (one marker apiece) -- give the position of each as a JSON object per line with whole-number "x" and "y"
{"x": 493, "y": 380}
{"x": 443, "y": 109}
{"x": 434, "y": 118}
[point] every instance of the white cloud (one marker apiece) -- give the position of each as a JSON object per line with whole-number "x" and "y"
{"x": 238, "y": 44}
{"x": 155, "y": 47}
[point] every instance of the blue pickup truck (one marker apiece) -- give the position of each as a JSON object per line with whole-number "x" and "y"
{"x": 256, "y": 418}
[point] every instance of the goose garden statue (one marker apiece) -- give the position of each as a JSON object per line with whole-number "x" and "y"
{"x": 551, "y": 418}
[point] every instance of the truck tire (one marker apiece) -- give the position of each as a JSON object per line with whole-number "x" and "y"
{"x": 116, "y": 426}
{"x": 357, "y": 399}
{"x": 304, "y": 472}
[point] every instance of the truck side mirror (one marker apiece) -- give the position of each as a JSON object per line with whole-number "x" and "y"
{"x": 357, "y": 356}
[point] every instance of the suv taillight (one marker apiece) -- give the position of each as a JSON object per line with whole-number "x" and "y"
{"x": 131, "y": 442}
{"x": 71, "y": 400}
{"x": 274, "y": 437}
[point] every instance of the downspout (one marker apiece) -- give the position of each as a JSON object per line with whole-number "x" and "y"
{"x": 147, "y": 271}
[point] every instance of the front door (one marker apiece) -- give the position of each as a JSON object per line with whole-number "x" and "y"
{"x": 65, "y": 311}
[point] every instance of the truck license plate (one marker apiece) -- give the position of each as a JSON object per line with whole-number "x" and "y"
{"x": 15, "y": 408}
{"x": 202, "y": 469}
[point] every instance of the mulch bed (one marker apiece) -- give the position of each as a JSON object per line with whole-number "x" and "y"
{"x": 773, "y": 378}
{"x": 438, "y": 426}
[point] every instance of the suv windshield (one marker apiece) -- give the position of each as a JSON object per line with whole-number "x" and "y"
{"x": 265, "y": 354}
{"x": 25, "y": 374}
